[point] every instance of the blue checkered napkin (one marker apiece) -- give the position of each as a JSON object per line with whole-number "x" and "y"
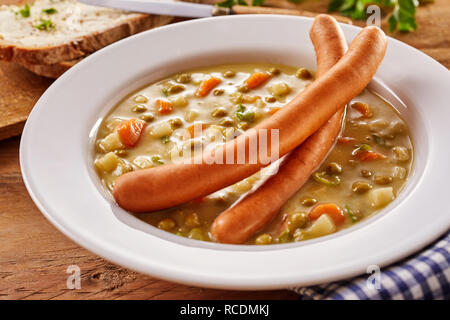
{"x": 425, "y": 275}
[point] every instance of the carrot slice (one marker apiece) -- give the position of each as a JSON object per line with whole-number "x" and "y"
{"x": 333, "y": 210}
{"x": 164, "y": 106}
{"x": 206, "y": 86}
{"x": 130, "y": 131}
{"x": 274, "y": 110}
{"x": 345, "y": 140}
{"x": 362, "y": 108}
{"x": 191, "y": 129}
{"x": 369, "y": 155}
{"x": 256, "y": 79}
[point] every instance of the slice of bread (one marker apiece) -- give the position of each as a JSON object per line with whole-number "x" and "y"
{"x": 51, "y": 70}
{"x": 63, "y": 30}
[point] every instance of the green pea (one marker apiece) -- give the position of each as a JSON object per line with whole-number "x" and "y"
{"x": 184, "y": 78}
{"x": 229, "y": 74}
{"x": 139, "y": 108}
{"x": 176, "y": 123}
{"x": 366, "y": 173}
{"x": 264, "y": 238}
{"x": 218, "y": 92}
{"x": 166, "y": 224}
{"x": 147, "y": 117}
{"x": 140, "y": 99}
{"x": 334, "y": 168}
{"x": 303, "y": 74}
{"x": 192, "y": 220}
{"x": 219, "y": 112}
{"x": 197, "y": 234}
{"x": 243, "y": 88}
{"x": 274, "y": 71}
{"x": 285, "y": 236}
{"x": 176, "y": 88}
{"x": 165, "y": 139}
{"x": 243, "y": 125}
{"x": 270, "y": 99}
{"x": 382, "y": 179}
{"x": 308, "y": 202}
{"x": 361, "y": 187}
{"x": 298, "y": 220}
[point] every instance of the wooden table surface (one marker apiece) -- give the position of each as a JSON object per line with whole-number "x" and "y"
{"x": 34, "y": 256}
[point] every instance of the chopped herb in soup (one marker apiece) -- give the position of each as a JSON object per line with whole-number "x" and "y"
{"x": 365, "y": 171}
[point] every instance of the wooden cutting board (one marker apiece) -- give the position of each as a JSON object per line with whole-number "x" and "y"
{"x": 20, "y": 89}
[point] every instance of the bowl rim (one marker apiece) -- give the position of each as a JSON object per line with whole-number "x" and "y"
{"x": 176, "y": 273}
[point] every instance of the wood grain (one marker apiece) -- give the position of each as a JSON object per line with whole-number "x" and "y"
{"x": 20, "y": 89}
{"x": 34, "y": 255}
{"x": 239, "y": 9}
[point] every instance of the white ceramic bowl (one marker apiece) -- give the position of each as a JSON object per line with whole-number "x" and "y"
{"x": 57, "y": 145}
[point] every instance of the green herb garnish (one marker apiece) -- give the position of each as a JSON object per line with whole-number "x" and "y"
{"x": 323, "y": 178}
{"x": 379, "y": 140}
{"x": 49, "y": 11}
{"x": 257, "y": 2}
{"x": 361, "y": 147}
{"x": 157, "y": 160}
{"x": 25, "y": 11}
{"x": 165, "y": 92}
{"x": 230, "y": 3}
{"x": 45, "y": 25}
{"x": 243, "y": 114}
{"x": 285, "y": 236}
{"x": 350, "y": 214}
{"x": 403, "y": 15}
{"x": 403, "y": 11}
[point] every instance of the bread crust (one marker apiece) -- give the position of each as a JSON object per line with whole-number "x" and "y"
{"x": 78, "y": 47}
{"x": 50, "y": 70}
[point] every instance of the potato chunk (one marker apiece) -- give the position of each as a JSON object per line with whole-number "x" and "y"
{"x": 143, "y": 162}
{"x": 180, "y": 102}
{"x": 111, "y": 142}
{"x": 381, "y": 196}
{"x": 161, "y": 129}
{"x": 279, "y": 89}
{"x": 399, "y": 172}
{"x": 321, "y": 227}
{"x": 401, "y": 153}
{"x": 108, "y": 162}
{"x": 191, "y": 115}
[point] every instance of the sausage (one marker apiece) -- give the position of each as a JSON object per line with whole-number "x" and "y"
{"x": 174, "y": 184}
{"x": 241, "y": 221}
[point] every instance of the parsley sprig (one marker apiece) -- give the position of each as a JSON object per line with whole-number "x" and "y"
{"x": 402, "y": 17}
{"x": 45, "y": 25}
{"x": 49, "y": 11}
{"x": 230, "y": 3}
{"x": 24, "y": 11}
{"x": 243, "y": 114}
